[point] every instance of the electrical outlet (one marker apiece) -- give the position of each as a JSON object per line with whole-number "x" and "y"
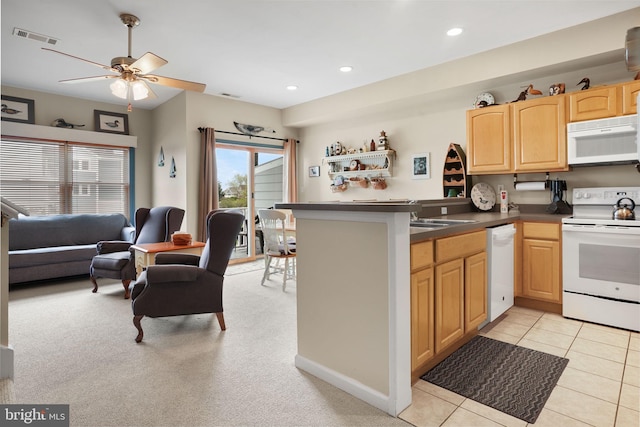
{"x": 443, "y": 210}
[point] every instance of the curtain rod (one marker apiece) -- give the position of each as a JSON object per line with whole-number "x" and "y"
{"x": 244, "y": 134}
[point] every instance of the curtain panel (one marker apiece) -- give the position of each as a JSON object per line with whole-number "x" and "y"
{"x": 208, "y": 192}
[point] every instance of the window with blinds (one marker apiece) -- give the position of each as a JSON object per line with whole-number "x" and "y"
{"x": 51, "y": 177}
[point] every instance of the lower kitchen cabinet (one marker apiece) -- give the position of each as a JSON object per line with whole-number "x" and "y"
{"x": 422, "y": 344}
{"x": 475, "y": 290}
{"x": 541, "y": 271}
{"x": 422, "y": 304}
{"x": 449, "y": 301}
{"x": 448, "y": 296}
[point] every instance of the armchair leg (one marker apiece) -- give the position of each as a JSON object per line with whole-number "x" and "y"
{"x": 95, "y": 284}
{"x": 125, "y": 283}
{"x": 136, "y": 323}
{"x": 220, "y": 317}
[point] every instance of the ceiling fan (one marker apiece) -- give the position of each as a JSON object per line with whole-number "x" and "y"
{"x": 132, "y": 74}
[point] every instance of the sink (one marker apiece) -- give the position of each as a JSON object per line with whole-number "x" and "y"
{"x": 437, "y": 222}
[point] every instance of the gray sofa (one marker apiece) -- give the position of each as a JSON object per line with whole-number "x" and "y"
{"x": 53, "y": 246}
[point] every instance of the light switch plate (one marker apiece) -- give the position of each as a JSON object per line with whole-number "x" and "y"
{"x": 443, "y": 210}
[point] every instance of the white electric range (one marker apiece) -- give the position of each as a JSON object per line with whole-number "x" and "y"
{"x": 601, "y": 259}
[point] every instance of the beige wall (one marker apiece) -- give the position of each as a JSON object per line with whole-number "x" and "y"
{"x": 49, "y": 107}
{"x": 426, "y": 110}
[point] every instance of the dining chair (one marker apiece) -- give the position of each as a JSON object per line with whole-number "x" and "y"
{"x": 277, "y": 246}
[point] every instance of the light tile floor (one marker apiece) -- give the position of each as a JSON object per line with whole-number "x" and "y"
{"x": 599, "y": 387}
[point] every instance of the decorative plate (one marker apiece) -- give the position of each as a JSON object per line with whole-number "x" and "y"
{"x": 483, "y": 100}
{"x": 483, "y": 196}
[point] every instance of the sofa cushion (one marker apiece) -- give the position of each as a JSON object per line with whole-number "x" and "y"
{"x": 64, "y": 230}
{"x": 43, "y": 256}
{"x": 113, "y": 261}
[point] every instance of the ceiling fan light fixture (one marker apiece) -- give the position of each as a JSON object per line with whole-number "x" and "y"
{"x": 119, "y": 88}
{"x": 140, "y": 90}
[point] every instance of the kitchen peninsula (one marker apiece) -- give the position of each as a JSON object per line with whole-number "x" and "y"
{"x": 353, "y": 298}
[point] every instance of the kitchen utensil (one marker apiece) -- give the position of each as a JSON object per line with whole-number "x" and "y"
{"x": 623, "y": 211}
{"x": 558, "y": 206}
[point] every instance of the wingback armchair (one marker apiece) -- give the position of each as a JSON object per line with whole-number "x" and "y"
{"x": 116, "y": 260}
{"x": 181, "y": 284}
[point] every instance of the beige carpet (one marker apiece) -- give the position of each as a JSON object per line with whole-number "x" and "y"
{"x": 74, "y": 347}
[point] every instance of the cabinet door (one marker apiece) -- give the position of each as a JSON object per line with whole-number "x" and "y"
{"x": 593, "y": 104}
{"x": 475, "y": 290}
{"x": 489, "y": 140}
{"x": 422, "y": 344}
{"x": 541, "y": 269}
{"x": 449, "y": 302}
{"x": 539, "y": 135}
{"x": 630, "y": 97}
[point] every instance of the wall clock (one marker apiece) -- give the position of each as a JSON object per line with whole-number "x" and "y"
{"x": 483, "y": 196}
{"x": 483, "y": 100}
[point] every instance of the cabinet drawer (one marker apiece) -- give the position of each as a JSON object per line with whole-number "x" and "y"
{"x": 460, "y": 246}
{"x": 421, "y": 255}
{"x": 541, "y": 230}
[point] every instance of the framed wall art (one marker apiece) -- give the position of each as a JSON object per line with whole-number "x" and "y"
{"x": 421, "y": 166}
{"x": 19, "y": 110}
{"x": 314, "y": 171}
{"x": 106, "y": 121}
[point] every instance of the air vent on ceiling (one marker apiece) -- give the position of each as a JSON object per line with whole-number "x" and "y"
{"x": 26, "y": 34}
{"x": 229, "y": 95}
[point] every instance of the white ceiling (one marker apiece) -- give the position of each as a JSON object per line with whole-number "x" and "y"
{"x": 254, "y": 49}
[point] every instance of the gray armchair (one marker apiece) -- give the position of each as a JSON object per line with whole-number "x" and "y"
{"x": 181, "y": 284}
{"x": 115, "y": 259}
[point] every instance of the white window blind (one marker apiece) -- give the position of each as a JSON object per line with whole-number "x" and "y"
{"x": 49, "y": 177}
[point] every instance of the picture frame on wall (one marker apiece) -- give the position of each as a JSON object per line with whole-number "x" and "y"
{"x": 18, "y": 110}
{"x": 421, "y": 166}
{"x": 314, "y": 171}
{"x": 106, "y": 121}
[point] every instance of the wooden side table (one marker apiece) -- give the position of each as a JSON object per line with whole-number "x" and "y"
{"x": 145, "y": 254}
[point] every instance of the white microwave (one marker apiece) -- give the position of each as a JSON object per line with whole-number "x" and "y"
{"x": 603, "y": 141}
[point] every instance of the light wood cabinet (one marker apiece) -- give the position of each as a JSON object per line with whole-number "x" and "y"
{"x": 475, "y": 290}
{"x": 489, "y": 144}
{"x": 597, "y": 103}
{"x": 605, "y": 101}
{"x": 449, "y": 303}
{"x": 630, "y": 92}
{"x": 460, "y": 286}
{"x": 541, "y": 262}
{"x": 422, "y": 304}
{"x": 540, "y": 136}
{"x": 525, "y": 136}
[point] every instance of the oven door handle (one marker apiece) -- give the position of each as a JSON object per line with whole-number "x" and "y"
{"x": 616, "y": 229}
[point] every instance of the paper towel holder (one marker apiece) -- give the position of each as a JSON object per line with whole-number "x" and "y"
{"x": 515, "y": 181}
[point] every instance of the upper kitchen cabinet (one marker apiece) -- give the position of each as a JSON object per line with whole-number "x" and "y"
{"x": 539, "y": 134}
{"x": 597, "y": 103}
{"x": 489, "y": 140}
{"x": 630, "y": 92}
{"x": 524, "y": 136}
{"x": 605, "y": 101}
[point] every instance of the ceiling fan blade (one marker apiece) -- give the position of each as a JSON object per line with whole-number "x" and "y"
{"x": 105, "y": 67}
{"x": 88, "y": 79}
{"x": 147, "y": 63}
{"x": 177, "y": 83}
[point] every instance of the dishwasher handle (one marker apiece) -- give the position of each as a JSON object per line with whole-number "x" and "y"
{"x": 503, "y": 236}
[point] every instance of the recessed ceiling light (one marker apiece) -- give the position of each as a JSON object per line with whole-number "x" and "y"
{"x": 454, "y": 31}
{"x": 346, "y": 68}
{"x": 292, "y": 87}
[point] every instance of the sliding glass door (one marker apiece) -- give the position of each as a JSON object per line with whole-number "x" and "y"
{"x": 249, "y": 178}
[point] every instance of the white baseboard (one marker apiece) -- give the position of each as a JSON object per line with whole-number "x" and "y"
{"x": 6, "y": 362}
{"x": 345, "y": 383}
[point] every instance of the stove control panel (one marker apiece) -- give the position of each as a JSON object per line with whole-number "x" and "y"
{"x": 604, "y": 195}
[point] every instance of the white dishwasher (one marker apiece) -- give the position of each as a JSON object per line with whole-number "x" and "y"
{"x": 500, "y": 256}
